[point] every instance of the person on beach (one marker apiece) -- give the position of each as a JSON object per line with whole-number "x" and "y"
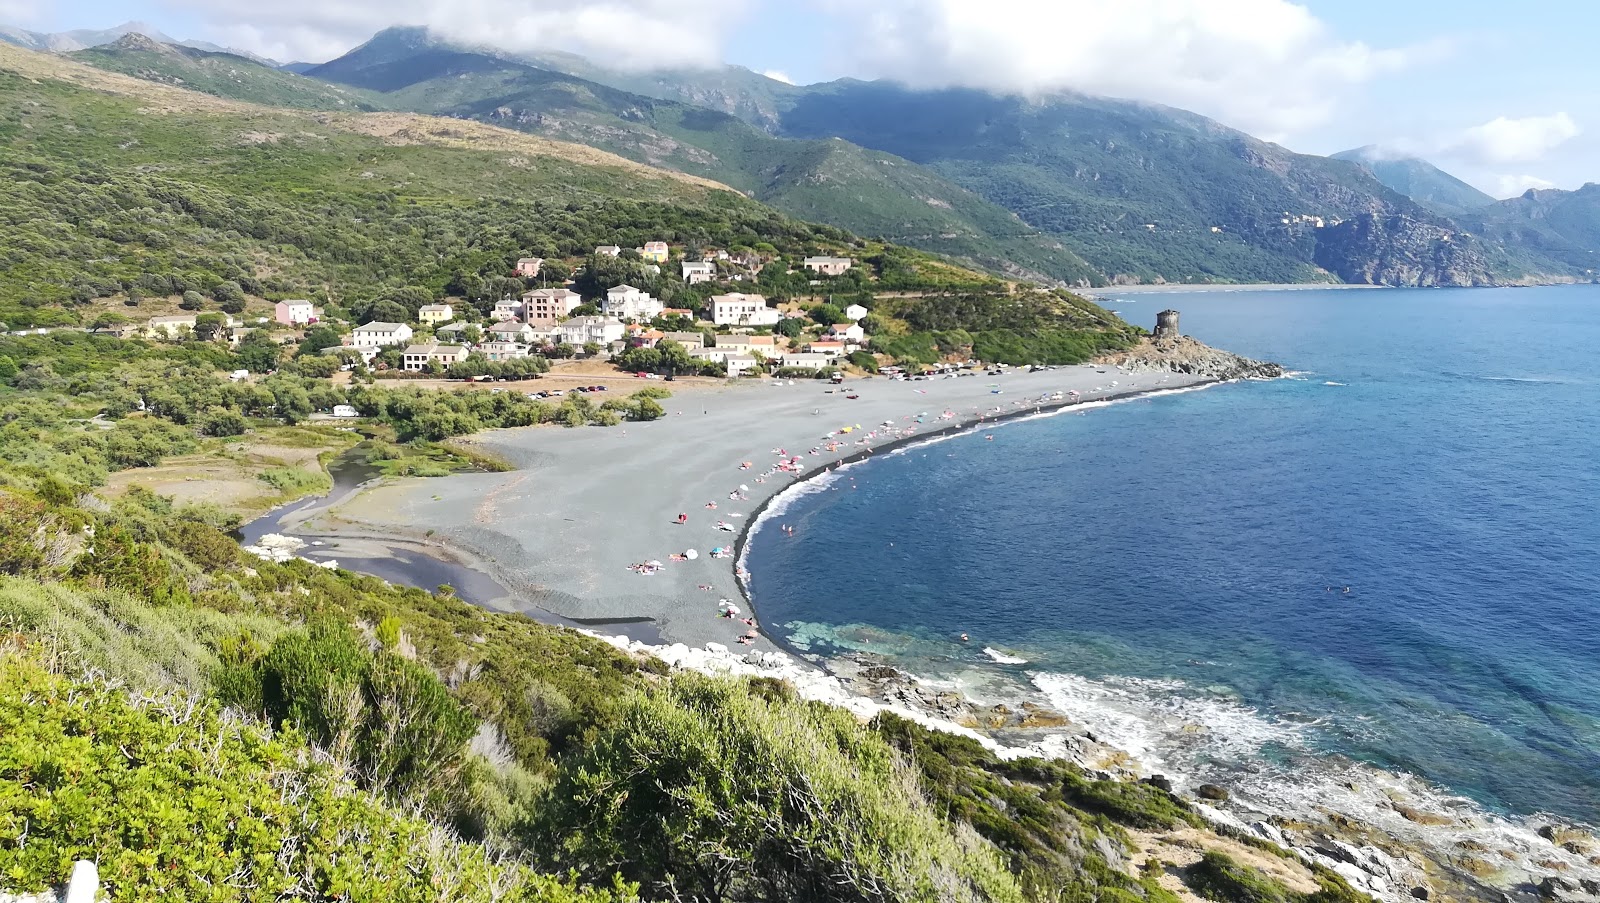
{"x": 683, "y": 518}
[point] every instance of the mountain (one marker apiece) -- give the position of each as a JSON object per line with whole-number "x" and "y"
{"x": 867, "y": 192}
{"x": 221, "y": 74}
{"x": 1418, "y": 180}
{"x": 84, "y": 38}
{"x": 1549, "y": 224}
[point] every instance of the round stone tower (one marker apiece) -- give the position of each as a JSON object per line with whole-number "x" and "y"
{"x": 1167, "y": 325}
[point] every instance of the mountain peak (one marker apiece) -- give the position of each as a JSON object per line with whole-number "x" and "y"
{"x": 1417, "y": 179}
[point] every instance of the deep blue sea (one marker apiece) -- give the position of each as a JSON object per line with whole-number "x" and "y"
{"x": 1173, "y": 569}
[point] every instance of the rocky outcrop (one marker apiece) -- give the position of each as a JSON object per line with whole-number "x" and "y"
{"x": 1188, "y": 356}
{"x": 1398, "y": 249}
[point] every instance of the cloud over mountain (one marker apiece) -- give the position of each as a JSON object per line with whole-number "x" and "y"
{"x": 623, "y": 34}
{"x": 1263, "y": 65}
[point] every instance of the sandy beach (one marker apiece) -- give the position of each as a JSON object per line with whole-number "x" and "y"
{"x": 562, "y": 529}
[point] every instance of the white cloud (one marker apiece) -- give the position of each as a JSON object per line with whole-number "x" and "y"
{"x": 1506, "y": 140}
{"x": 1511, "y": 186}
{"x": 21, "y": 12}
{"x": 624, "y": 34}
{"x": 1263, "y": 65}
{"x": 779, "y": 76}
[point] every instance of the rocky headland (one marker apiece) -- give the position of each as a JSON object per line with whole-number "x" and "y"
{"x": 1191, "y": 357}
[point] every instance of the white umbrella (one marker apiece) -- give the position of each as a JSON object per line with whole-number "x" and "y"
{"x": 691, "y": 554}
{"x": 653, "y": 563}
{"x": 743, "y": 488}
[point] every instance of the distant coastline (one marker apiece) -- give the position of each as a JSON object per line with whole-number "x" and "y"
{"x": 1176, "y": 288}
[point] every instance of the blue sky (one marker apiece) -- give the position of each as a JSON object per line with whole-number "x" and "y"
{"x": 1500, "y": 94}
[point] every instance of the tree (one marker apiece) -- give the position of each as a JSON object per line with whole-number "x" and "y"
{"x": 591, "y": 348}
{"x": 208, "y": 326}
{"x": 109, "y": 320}
{"x": 229, "y": 296}
{"x": 258, "y": 352}
{"x": 192, "y": 300}
{"x": 789, "y": 327}
{"x": 587, "y": 309}
{"x": 319, "y": 337}
{"x": 826, "y": 314}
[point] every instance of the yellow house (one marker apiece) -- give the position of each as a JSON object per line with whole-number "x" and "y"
{"x": 434, "y": 314}
{"x": 655, "y": 251}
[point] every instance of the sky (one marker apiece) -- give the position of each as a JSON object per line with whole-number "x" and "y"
{"x": 1499, "y": 94}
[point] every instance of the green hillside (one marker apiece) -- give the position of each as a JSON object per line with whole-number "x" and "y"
{"x": 1418, "y": 180}
{"x": 222, "y": 74}
{"x": 121, "y": 188}
{"x": 1546, "y": 224}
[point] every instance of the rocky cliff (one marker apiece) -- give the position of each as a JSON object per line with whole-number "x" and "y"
{"x": 1397, "y": 249}
{"x": 1186, "y": 355}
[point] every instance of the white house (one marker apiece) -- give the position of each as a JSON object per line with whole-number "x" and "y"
{"x": 828, "y": 266}
{"x": 580, "y": 331}
{"x": 503, "y": 351}
{"x": 607, "y": 250}
{"x": 549, "y": 306}
{"x": 508, "y": 309}
{"x": 856, "y": 312}
{"x": 418, "y": 356}
{"x": 849, "y": 332}
{"x": 367, "y": 352}
{"x": 380, "y": 334}
{"x": 294, "y": 313}
{"x": 695, "y": 272}
{"x": 628, "y": 303}
{"x": 808, "y": 360}
{"x": 739, "y": 364}
{"x": 510, "y": 331}
{"x": 739, "y": 309}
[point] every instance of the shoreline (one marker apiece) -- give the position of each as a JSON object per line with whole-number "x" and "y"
{"x": 1179, "y": 288}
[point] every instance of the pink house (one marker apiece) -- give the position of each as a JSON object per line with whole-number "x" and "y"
{"x": 528, "y": 267}
{"x": 294, "y": 313}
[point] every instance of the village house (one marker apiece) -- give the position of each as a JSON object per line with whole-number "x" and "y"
{"x": 580, "y": 331}
{"x": 739, "y": 364}
{"x": 849, "y": 332}
{"x": 809, "y": 360}
{"x": 434, "y": 314}
{"x": 508, "y": 309}
{"x": 684, "y": 312}
{"x": 294, "y": 313}
{"x": 643, "y": 335}
{"x": 628, "y": 303}
{"x": 503, "y": 351}
{"x": 379, "y": 334}
{"x": 655, "y": 251}
{"x": 541, "y": 335}
{"x": 171, "y": 326}
{"x": 451, "y": 332}
{"x": 510, "y": 331}
{"x": 856, "y": 312}
{"x": 549, "y": 306}
{"x": 738, "y": 309}
{"x": 696, "y": 273}
{"x": 689, "y": 340}
{"x": 828, "y": 266}
{"x": 715, "y": 355}
{"x": 826, "y": 346}
{"x": 607, "y": 251}
{"x": 416, "y": 357}
{"x": 528, "y": 267}
{"x": 365, "y": 352}
{"x": 733, "y": 344}
{"x": 764, "y": 345}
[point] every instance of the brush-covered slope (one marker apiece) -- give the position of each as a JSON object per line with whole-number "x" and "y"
{"x": 117, "y": 187}
{"x": 221, "y": 74}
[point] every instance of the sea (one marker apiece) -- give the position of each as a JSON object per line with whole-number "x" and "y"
{"x": 1379, "y": 574}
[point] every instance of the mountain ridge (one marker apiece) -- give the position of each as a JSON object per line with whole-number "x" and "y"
{"x": 1418, "y": 179}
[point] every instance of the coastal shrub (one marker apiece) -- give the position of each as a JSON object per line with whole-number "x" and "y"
{"x": 392, "y": 718}
{"x": 706, "y": 790}
{"x": 177, "y": 802}
{"x": 295, "y": 480}
{"x": 1218, "y": 876}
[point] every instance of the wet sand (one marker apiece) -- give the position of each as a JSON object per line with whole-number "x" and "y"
{"x": 561, "y": 529}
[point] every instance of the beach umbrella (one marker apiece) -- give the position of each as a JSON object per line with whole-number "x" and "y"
{"x": 691, "y": 554}
{"x": 743, "y": 488}
{"x": 653, "y": 563}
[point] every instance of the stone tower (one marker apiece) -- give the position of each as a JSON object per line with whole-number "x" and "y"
{"x": 1167, "y": 325}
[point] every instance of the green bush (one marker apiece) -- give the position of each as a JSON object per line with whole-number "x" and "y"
{"x": 706, "y": 790}
{"x": 177, "y": 803}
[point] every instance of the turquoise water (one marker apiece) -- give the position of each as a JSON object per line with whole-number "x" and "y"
{"x": 1182, "y": 560}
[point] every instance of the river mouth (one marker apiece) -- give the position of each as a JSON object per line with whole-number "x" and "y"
{"x": 408, "y": 562}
